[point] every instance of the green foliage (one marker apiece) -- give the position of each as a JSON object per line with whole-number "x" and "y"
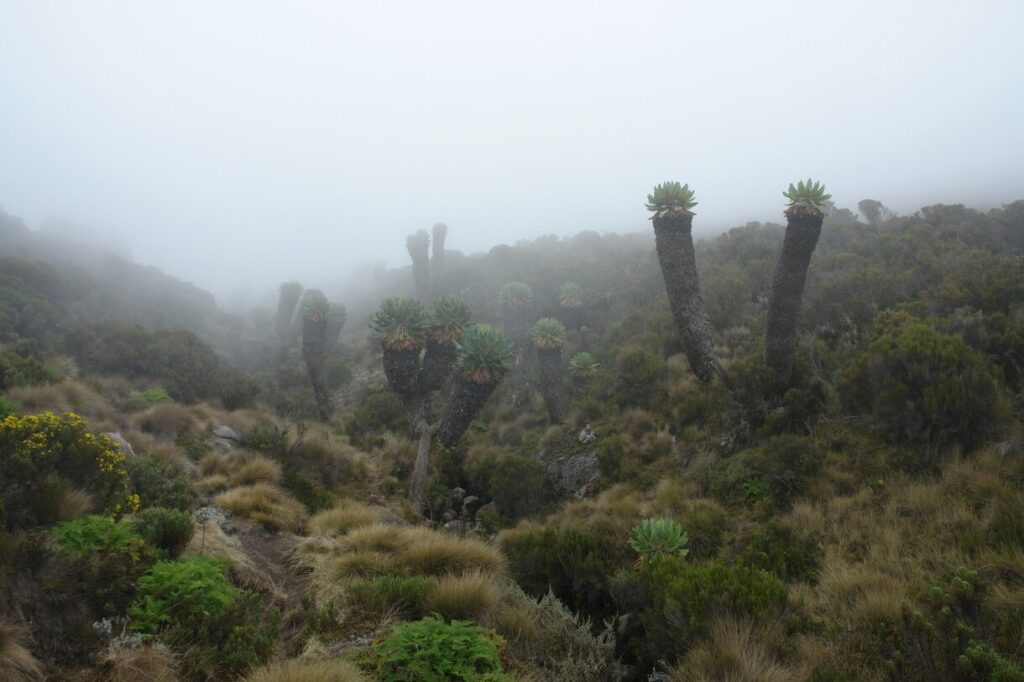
{"x": 775, "y": 472}
{"x": 36, "y": 449}
{"x": 583, "y": 365}
{"x": 378, "y": 413}
{"x": 20, "y": 366}
{"x": 155, "y": 395}
{"x": 518, "y": 486}
{"x": 676, "y": 598}
{"x": 157, "y": 485}
{"x": 405, "y": 596}
{"x": 548, "y": 333}
{"x": 571, "y": 295}
{"x": 8, "y": 406}
{"x": 807, "y": 196}
{"x": 671, "y": 198}
{"x": 192, "y": 607}
{"x": 92, "y": 534}
{"x": 637, "y": 377}
{"x": 448, "y": 318}
{"x": 401, "y": 322}
{"x": 655, "y": 539}
{"x": 431, "y": 650}
{"x": 169, "y": 530}
{"x": 779, "y": 550}
{"x": 515, "y": 295}
{"x": 610, "y": 453}
{"x": 485, "y": 353}
{"x": 925, "y": 387}
{"x": 315, "y": 305}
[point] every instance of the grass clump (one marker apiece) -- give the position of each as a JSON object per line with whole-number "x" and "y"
{"x": 464, "y": 597}
{"x": 265, "y": 504}
{"x": 307, "y": 671}
{"x": 344, "y": 517}
{"x": 17, "y": 664}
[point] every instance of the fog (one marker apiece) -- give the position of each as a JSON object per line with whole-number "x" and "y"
{"x": 238, "y": 144}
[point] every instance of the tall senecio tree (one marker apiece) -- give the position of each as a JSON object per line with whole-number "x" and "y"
{"x": 439, "y": 232}
{"x": 430, "y": 352}
{"x": 418, "y": 245}
{"x": 288, "y": 299}
{"x": 548, "y": 336}
{"x": 804, "y": 215}
{"x": 315, "y": 312}
{"x": 671, "y": 205}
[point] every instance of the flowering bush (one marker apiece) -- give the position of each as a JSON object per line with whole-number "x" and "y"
{"x": 37, "y": 450}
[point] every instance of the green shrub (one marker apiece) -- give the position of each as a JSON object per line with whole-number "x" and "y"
{"x": 157, "y": 485}
{"x": 192, "y": 607}
{"x": 156, "y": 395}
{"x": 89, "y": 534}
{"x": 431, "y": 650}
{"x": 637, "y": 377}
{"x": 518, "y": 486}
{"x": 168, "y": 530}
{"x": 925, "y": 387}
{"x": 610, "y": 453}
{"x": 19, "y": 366}
{"x": 775, "y": 472}
{"x": 779, "y": 550}
{"x": 675, "y": 599}
{"x": 379, "y": 412}
{"x": 8, "y": 406}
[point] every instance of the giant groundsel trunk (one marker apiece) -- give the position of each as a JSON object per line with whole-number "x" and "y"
{"x": 315, "y": 311}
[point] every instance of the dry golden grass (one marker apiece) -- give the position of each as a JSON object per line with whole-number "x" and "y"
{"x": 209, "y": 539}
{"x": 142, "y": 664}
{"x": 470, "y": 596}
{"x": 361, "y": 564}
{"x": 265, "y": 504}
{"x": 345, "y": 517}
{"x": 258, "y": 469}
{"x": 214, "y": 463}
{"x": 166, "y": 419}
{"x": 732, "y": 653}
{"x": 74, "y": 502}
{"x": 429, "y": 552}
{"x": 65, "y": 396}
{"x": 209, "y": 484}
{"x": 17, "y": 664}
{"x": 378, "y": 537}
{"x": 308, "y": 671}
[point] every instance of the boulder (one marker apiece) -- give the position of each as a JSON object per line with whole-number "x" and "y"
{"x": 470, "y": 505}
{"x": 227, "y": 433}
{"x": 223, "y": 445}
{"x": 125, "y": 446}
{"x": 573, "y": 475}
{"x": 588, "y": 436}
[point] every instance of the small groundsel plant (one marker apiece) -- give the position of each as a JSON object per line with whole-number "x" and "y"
{"x": 431, "y": 649}
{"x": 656, "y": 538}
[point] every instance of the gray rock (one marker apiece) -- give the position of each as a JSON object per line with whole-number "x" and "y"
{"x": 458, "y": 526}
{"x": 227, "y": 433}
{"x": 489, "y": 509}
{"x": 574, "y": 474}
{"x": 223, "y": 445}
{"x": 470, "y": 505}
{"x": 125, "y": 446}
{"x": 588, "y": 436}
{"x": 449, "y": 515}
{"x": 457, "y": 495}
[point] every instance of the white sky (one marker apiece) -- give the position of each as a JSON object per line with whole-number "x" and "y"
{"x": 242, "y": 143}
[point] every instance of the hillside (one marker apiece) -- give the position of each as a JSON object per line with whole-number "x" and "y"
{"x": 563, "y": 459}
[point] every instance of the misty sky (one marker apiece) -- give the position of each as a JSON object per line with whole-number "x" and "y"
{"x": 241, "y": 143}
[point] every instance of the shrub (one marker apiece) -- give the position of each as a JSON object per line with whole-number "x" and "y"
{"x": 431, "y": 649}
{"x": 610, "y": 453}
{"x": 190, "y": 605}
{"x": 21, "y": 367}
{"x": 8, "y": 406}
{"x": 775, "y": 472}
{"x": 675, "y": 599}
{"x": 637, "y": 377}
{"x": 518, "y": 485}
{"x": 925, "y": 387}
{"x": 655, "y": 539}
{"x": 168, "y": 530}
{"x": 37, "y": 448}
{"x": 155, "y": 395}
{"x": 377, "y": 413}
{"x": 157, "y": 485}
{"x": 778, "y": 549}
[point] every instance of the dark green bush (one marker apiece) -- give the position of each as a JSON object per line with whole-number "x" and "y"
{"x": 431, "y": 650}
{"x": 168, "y": 530}
{"x": 378, "y": 412}
{"x": 638, "y": 376}
{"x": 8, "y": 406}
{"x": 779, "y": 550}
{"x": 19, "y": 366}
{"x": 610, "y": 453}
{"x": 925, "y": 387}
{"x": 193, "y": 608}
{"x": 774, "y": 473}
{"x": 156, "y": 485}
{"x": 518, "y": 486}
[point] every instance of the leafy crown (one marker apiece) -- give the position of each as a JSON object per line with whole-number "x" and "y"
{"x": 671, "y": 198}
{"x": 401, "y": 322}
{"x": 485, "y": 353}
{"x": 807, "y": 196}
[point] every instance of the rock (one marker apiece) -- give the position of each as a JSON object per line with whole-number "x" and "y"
{"x": 223, "y": 445}
{"x": 458, "y": 526}
{"x": 449, "y": 515}
{"x": 588, "y": 436}
{"x": 487, "y": 516}
{"x": 574, "y": 474}
{"x": 470, "y": 505}
{"x": 457, "y": 495}
{"x": 227, "y": 433}
{"x": 125, "y": 446}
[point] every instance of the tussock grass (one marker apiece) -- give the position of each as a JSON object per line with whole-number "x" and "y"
{"x": 211, "y": 483}
{"x": 345, "y": 517}
{"x": 166, "y": 419}
{"x": 17, "y": 664}
{"x": 258, "y": 469}
{"x": 361, "y": 564}
{"x": 65, "y": 396}
{"x": 732, "y": 652}
{"x": 265, "y": 504}
{"x": 471, "y": 596}
{"x": 142, "y": 664}
{"x": 437, "y": 554}
{"x": 213, "y": 541}
{"x": 307, "y": 671}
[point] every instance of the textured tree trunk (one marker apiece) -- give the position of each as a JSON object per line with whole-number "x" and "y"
{"x": 425, "y": 433}
{"x": 549, "y": 370}
{"x": 465, "y": 398}
{"x": 516, "y": 322}
{"x": 674, "y": 243}
{"x": 314, "y": 332}
{"x": 802, "y": 232}
{"x": 402, "y": 369}
{"x": 437, "y": 364}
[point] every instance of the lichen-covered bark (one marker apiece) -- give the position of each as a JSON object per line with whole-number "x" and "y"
{"x": 465, "y": 398}
{"x": 674, "y": 243}
{"x": 437, "y": 364}
{"x": 802, "y": 232}
{"x": 402, "y": 369}
{"x": 314, "y": 337}
{"x": 549, "y": 377}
